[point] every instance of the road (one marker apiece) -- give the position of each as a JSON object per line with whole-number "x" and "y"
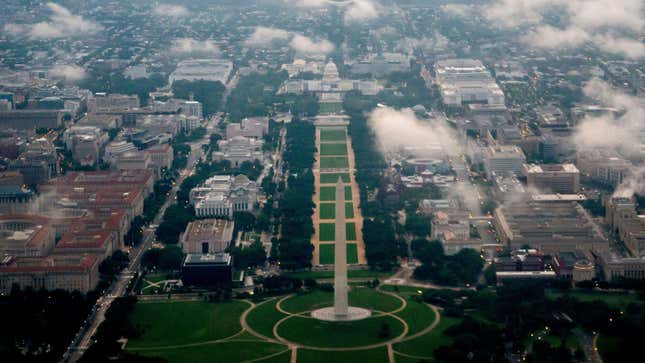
{"x": 83, "y": 340}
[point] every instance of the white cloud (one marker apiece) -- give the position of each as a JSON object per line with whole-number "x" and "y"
{"x": 631, "y": 48}
{"x": 594, "y": 21}
{"x": 308, "y": 46}
{"x": 61, "y": 23}
{"x": 308, "y": 3}
{"x": 190, "y": 46}
{"x": 171, "y": 11}
{"x": 361, "y": 10}
{"x": 621, "y": 133}
{"x": 67, "y": 72}
{"x": 550, "y": 37}
{"x": 265, "y": 37}
{"x": 462, "y": 10}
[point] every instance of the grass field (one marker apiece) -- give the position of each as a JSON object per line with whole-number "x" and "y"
{"x": 377, "y": 355}
{"x": 328, "y": 231}
{"x": 333, "y": 149}
{"x": 326, "y": 178}
{"x": 220, "y": 352}
{"x": 334, "y": 162}
{"x": 615, "y": 299}
{"x": 320, "y": 333}
{"x": 358, "y": 296}
{"x": 328, "y": 194}
{"x": 263, "y": 318}
{"x": 328, "y": 210}
{"x": 330, "y": 274}
{"x": 417, "y": 315}
{"x": 327, "y": 254}
{"x": 330, "y": 107}
{"x": 425, "y": 345}
{"x": 332, "y": 135}
{"x": 177, "y": 323}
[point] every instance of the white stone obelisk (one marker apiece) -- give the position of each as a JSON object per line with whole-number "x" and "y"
{"x": 340, "y": 254}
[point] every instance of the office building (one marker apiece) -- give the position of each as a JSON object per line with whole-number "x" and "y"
{"x": 202, "y": 69}
{"x": 207, "y": 236}
{"x": 555, "y": 178}
{"x": 207, "y": 270}
{"x": 501, "y": 159}
{"x": 239, "y": 149}
{"x": 463, "y": 81}
{"x": 223, "y": 195}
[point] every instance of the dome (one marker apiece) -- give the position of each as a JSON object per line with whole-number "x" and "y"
{"x": 330, "y": 72}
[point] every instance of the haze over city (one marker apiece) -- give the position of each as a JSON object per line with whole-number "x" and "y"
{"x": 322, "y": 181}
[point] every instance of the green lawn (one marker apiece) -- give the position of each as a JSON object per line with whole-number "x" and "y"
{"x": 417, "y": 315}
{"x": 329, "y": 193}
{"x": 328, "y": 231}
{"x": 333, "y": 149}
{"x": 377, "y": 355}
{"x": 320, "y": 333}
{"x": 607, "y": 344}
{"x": 174, "y": 323}
{"x": 263, "y": 317}
{"x": 327, "y": 253}
{"x": 327, "y": 178}
{"x": 328, "y": 210}
{"x": 425, "y": 345}
{"x": 220, "y": 352}
{"x": 334, "y": 162}
{"x": 358, "y": 296}
{"x": 615, "y": 299}
{"x": 330, "y": 107}
{"x": 332, "y": 135}
{"x": 330, "y": 274}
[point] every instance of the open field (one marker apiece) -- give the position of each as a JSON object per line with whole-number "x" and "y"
{"x": 319, "y": 333}
{"x": 376, "y": 355}
{"x": 334, "y": 162}
{"x": 327, "y": 253}
{"x": 328, "y": 210}
{"x": 220, "y": 352}
{"x": 167, "y": 324}
{"x": 332, "y": 135}
{"x": 326, "y": 178}
{"x": 328, "y": 194}
{"x": 333, "y": 149}
{"x": 328, "y": 232}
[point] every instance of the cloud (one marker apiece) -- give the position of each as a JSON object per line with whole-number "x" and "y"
{"x": 308, "y": 3}
{"x": 361, "y": 10}
{"x": 622, "y": 133}
{"x": 551, "y": 37}
{"x": 265, "y": 37}
{"x": 587, "y": 21}
{"x": 190, "y": 46}
{"x": 67, "y": 72}
{"x": 61, "y": 24}
{"x": 461, "y": 10}
{"x": 171, "y": 11}
{"x": 398, "y": 130}
{"x": 633, "y": 184}
{"x": 630, "y": 48}
{"x": 308, "y": 46}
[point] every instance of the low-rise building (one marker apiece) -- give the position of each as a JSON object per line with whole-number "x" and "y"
{"x": 207, "y": 236}
{"x": 551, "y": 226}
{"x": 501, "y": 159}
{"x": 556, "y": 178}
{"x": 223, "y": 195}
{"x": 452, "y": 228}
{"x": 207, "y": 270}
{"x": 239, "y": 149}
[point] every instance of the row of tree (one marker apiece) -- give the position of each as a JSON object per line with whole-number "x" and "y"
{"x": 295, "y": 207}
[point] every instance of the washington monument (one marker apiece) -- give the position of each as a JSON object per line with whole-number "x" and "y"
{"x": 340, "y": 254}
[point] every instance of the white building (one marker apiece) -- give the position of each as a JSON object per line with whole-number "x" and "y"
{"x": 463, "y": 81}
{"x": 255, "y": 127}
{"x": 202, "y": 69}
{"x": 116, "y": 148}
{"x": 300, "y": 65}
{"x": 223, "y": 195}
{"x": 112, "y": 102}
{"x": 331, "y": 82}
{"x": 239, "y": 149}
{"x": 500, "y": 159}
{"x": 379, "y": 65}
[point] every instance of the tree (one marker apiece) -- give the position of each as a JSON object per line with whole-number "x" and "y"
{"x": 209, "y": 93}
{"x": 252, "y": 256}
{"x": 244, "y": 221}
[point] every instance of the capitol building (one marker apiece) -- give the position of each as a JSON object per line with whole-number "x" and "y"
{"x": 331, "y": 83}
